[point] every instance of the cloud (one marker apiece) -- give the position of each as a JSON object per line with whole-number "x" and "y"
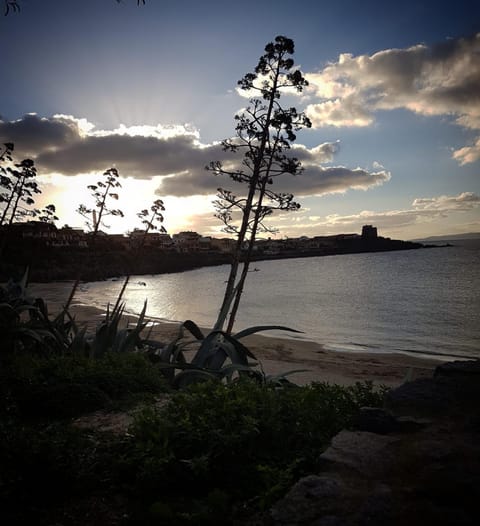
{"x": 32, "y": 134}
{"x": 67, "y": 145}
{"x": 314, "y": 180}
{"x": 468, "y": 154}
{"x": 463, "y": 201}
{"x": 423, "y": 210}
{"x": 135, "y": 156}
{"x": 70, "y": 146}
{"x": 439, "y": 80}
{"x": 339, "y": 112}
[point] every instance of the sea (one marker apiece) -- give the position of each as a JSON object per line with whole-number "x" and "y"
{"x": 424, "y": 302}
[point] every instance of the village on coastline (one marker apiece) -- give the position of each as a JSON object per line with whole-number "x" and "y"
{"x": 48, "y": 235}
{"x": 53, "y": 253}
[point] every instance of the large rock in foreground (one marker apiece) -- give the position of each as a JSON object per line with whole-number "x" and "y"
{"x": 414, "y": 463}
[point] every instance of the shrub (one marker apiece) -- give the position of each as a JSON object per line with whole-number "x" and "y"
{"x": 51, "y": 474}
{"x": 248, "y": 439}
{"x": 58, "y": 386}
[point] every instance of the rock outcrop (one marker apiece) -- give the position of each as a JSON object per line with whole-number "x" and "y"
{"x": 414, "y": 462}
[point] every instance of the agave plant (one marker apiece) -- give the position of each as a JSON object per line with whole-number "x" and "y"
{"x": 219, "y": 355}
{"x": 110, "y": 338}
{"x": 25, "y": 324}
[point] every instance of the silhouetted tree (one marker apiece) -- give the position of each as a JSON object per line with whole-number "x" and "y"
{"x": 152, "y": 219}
{"x": 5, "y": 179}
{"x": 101, "y": 193}
{"x": 11, "y": 5}
{"x": 17, "y": 189}
{"x": 14, "y": 6}
{"x": 47, "y": 214}
{"x": 264, "y": 133}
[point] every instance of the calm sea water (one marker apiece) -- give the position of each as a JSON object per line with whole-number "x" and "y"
{"x": 417, "y": 301}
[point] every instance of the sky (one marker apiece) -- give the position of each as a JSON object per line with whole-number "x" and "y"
{"x": 393, "y": 96}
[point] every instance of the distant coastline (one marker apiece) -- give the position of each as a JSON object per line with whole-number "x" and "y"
{"x": 449, "y": 238}
{"x": 50, "y": 263}
{"x": 64, "y": 254}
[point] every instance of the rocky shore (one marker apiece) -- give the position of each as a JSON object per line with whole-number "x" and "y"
{"x": 416, "y": 461}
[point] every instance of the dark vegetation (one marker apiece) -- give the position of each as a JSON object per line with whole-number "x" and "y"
{"x": 216, "y": 454}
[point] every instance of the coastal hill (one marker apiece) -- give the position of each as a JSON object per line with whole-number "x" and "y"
{"x": 449, "y": 237}
{"x": 63, "y": 254}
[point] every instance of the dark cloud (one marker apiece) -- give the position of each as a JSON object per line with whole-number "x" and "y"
{"x": 136, "y": 156}
{"x": 314, "y": 180}
{"x": 32, "y": 134}
{"x": 70, "y": 146}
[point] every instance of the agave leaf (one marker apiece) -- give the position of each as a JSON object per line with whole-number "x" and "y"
{"x": 100, "y": 341}
{"x": 208, "y": 348}
{"x": 107, "y": 314}
{"x": 113, "y": 325}
{"x": 75, "y": 286}
{"x": 26, "y": 308}
{"x": 132, "y": 341}
{"x": 6, "y": 310}
{"x": 259, "y": 328}
{"x": 149, "y": 334}
{"x": 30, "y": 333}
{"x": 194, "y": 329}
{"x": 217, "y": 358}
{"x": 60, "y": 337}
{"x": 166, "y": 352}
{"x": 154, "y": 344}
{"x": 42, "y": 307}
{"x": 169, "y": 350}
{"x": 79, "y": 343}
{"x": 133, "y": 338}
{"x": 71, "y": 324}
{"x": 122, "y": 290}
{"x": 23, "y": 282}
{"x": 119, "y": 340}
{"x": 241, "y": 350}
{"x": 141, "y": 318}
{"x": 228, "y": 348}
{"x": 178, "y": 356}
{"x": 60, "y": 317}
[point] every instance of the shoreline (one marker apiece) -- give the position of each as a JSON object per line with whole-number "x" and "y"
{"x": 57, "y": 263}
{"x": 278, "y": 355}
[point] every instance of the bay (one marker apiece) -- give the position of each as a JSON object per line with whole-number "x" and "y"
{"x": 424, "y": 301}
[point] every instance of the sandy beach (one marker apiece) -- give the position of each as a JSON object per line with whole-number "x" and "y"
{"x": 279, "y": 355}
